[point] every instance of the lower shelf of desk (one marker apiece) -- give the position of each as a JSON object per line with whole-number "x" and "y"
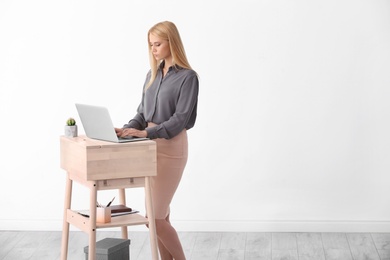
{"x": 83, "y": 223}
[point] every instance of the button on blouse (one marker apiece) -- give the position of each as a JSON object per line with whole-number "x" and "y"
{"x": 170, "y": 102}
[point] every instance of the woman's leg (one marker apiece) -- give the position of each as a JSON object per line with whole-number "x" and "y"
{"x": 164, "y": 253}
{"x": 171, "y": 160}
{"x": 169, "y": 244}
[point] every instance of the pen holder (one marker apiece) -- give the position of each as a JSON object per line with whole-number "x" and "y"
{"x": 103, "y": 215}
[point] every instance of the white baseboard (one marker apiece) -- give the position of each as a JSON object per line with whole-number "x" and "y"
{"x": 224, "y": 226}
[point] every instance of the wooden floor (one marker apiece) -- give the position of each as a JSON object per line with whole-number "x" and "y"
{"x": 210, "y": 246}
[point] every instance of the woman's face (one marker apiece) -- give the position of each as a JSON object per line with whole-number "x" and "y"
{"x": 159, "y": 47}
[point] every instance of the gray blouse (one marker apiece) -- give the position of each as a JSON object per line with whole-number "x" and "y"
{"x": 170, "y": 102}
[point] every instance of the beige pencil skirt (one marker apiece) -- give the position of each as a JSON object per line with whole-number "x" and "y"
{"x": 172, "y": 157}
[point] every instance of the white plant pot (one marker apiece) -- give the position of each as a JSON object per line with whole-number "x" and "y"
{"x": 71, "y": 130}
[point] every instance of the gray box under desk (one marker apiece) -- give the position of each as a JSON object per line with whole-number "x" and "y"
{"x": 111, "y": 249}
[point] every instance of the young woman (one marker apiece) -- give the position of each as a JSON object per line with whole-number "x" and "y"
{"x": 167, "y": 111}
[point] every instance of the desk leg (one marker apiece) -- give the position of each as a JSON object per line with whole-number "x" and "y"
{"x": 65, "y": 225}
{"x": 152, "y": 223}
{"x": 122, "y": 200}
{"x": 92, "y": 223}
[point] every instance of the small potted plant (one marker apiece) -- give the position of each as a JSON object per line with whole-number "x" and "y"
{"x": 71, "y": 128}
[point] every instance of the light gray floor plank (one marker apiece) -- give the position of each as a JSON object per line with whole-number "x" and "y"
{"x": 206, "y": 246}
{"x": 335, "y": 241}
{"x": 231, "y": 254}
{"x": 310, "y": 246}
{"x": 338, "y": 254}
{"x": 188, "y": 240}
{"x": 258, "y": 246}
{"x": 51, "y": 248}
{"x": 233, "y": 240}
{"x": 43, "y": 245}
{"x": 77, "y": 242}
{"x": 145, "y": 252}
{"x": 20, "y": 253}
{"x": 137, "y": 241}
{"x": 362, "y": 247}
{"x": 381, "y": 240}
{"x": 382, "y": 243}
{"x": 284, "y": 254}
{"x": 258, "y": 255}
{"x": 284, "y": 241}
{"x": 336, "y": 246}
{"x": 284, "y": 246}
{"x": 8, "y": 240}
{"x": 232, "y": 246}
{"x": 28, "y": 245}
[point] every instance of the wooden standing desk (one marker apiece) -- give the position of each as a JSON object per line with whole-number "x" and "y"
{"x": 100, "y": 165}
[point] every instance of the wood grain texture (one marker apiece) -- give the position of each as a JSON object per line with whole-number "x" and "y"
{"x": 45, "y": 245}
{"x": 362, "y": 247}
{"x": 98, "y": 160}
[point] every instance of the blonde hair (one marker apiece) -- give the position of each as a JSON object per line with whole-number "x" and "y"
{"x": 167, "y": 31}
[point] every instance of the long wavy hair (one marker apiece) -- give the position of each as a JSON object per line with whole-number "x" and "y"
{"x": 167, "y": 31}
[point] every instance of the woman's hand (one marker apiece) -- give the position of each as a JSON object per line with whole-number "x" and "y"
{"x": 130, "y": 132}
{"x": 118, "y": 131}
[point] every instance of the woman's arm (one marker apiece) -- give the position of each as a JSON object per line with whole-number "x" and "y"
{"x": 185, "y": 113}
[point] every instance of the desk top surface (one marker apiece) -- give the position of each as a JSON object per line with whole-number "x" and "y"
{"x": 89, "y": 143}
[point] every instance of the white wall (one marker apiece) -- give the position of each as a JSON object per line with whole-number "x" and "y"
{"x": 293, "y": 126}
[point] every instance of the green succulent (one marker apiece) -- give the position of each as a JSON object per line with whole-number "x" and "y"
{"x": 70, "y": 121}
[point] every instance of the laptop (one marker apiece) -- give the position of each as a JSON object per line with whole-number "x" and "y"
{"x": 97, "y": 124}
